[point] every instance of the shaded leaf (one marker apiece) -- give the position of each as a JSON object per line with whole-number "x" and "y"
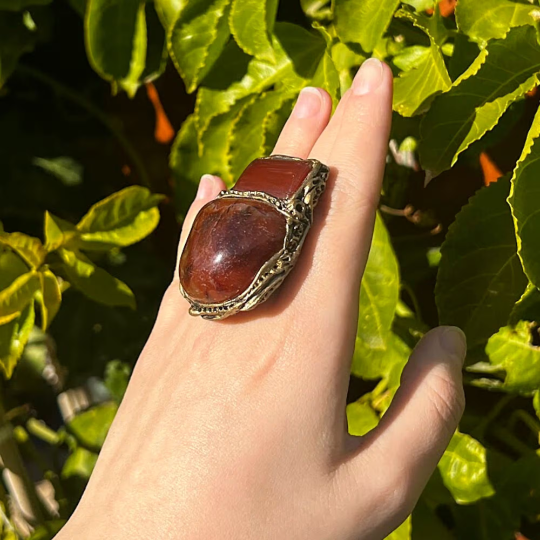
{"x": 123, "y": 218}
{"x": 511, "y": 350}
{"x": 479, "y": 98}
{"x": 90, "y": 428}
{"x": 525, "y": 203}
{"x": 156, "y": 45}
{"x": 463, "y": 468}
{"x": 48, "y": 530}
{"x": 11, "y": 267}
{"x": 483, "y": 21}
{"x": 29, "y": 248}
{"x": 13, "y": 338}
{"x": 66, "y": 169}
{"x": 95, "y": 282}
{"x": 197, "y": 38}
{"x": 480, "y": 277}
{"x": 363, "y": 21}
{"x": 252, "y": 22}
{"x": 528, "y": 306}
{"x": 116, "y": 378}
{"x": 81, "y": 463}
{"x": 361, "y": 418}
{"x": 236, "y": 76}
{"x": 49, "y": 297}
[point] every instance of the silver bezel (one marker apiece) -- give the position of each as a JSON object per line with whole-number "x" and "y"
{"x": 298, "y": 212}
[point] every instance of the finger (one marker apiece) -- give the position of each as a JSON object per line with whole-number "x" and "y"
{"x": 355, "y": 147}
{"x": 307, "y": 121}
{"x": 415, "y": 431}
{"x": 209, "y": 187}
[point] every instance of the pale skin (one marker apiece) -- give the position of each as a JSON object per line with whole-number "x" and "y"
{"x": 236, "y": 429}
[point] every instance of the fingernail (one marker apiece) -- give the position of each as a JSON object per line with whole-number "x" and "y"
{"x": 205, "y": 186}
{"x": 309, "y": 102}
{"x": 454, "y": 342}
{"x": 369, "y": 77}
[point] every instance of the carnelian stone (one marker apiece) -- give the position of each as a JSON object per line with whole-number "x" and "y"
{"x": 229, "y": 242}
{"x": 278, "y": 177}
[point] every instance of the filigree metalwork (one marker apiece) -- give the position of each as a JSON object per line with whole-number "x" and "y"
{"x": 298, "y": 212}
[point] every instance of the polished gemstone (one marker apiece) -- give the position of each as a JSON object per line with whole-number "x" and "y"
{"x": 278, "y": 177}
{"x": 231, "y": 239}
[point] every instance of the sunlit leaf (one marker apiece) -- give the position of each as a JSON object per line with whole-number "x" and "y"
{"x": 15, "y": 297}
{"x": 483, "y": 20}
{"x": 49, "y": 297}
{"x": 327, "y": 78}
{"x": 463, "y": 468}
{"x": 58, "y": 232}
{"x": 345, "y": 60}
{"x": 123, "y": 218}
{"x": 80, "y": 463}
{"x": 478, "y": 99}
{"x": 91, "y": 427}
{"x": 480, "y": 277}
{"x": 361, "y": 418}
{"x": 29, "y": 248}
{"x": 403, "y": 532}
{"x": 197, "y": 37}
{"x": 95, "y": 282}
{"x": 363, "y": 21}
{"x": 252, "y": 22}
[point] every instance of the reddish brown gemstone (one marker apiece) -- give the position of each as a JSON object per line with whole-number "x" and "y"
{"x": 278, "y": 177}
{"x": 229, "y": 242}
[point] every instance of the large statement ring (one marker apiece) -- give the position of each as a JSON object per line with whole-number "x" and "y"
{"x": 243, "y": 244}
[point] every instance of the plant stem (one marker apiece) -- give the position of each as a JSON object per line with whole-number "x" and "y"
{"x": 97, "y": 113}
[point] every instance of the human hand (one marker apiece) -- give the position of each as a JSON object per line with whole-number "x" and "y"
{"x": 237, "y": 429}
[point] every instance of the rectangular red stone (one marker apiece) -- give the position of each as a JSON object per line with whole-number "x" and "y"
{"x": 278, "y": 177}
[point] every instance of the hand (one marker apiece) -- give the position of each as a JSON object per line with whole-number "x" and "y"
{"x": 237, "y": 429}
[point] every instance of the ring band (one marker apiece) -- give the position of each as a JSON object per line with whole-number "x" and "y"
{"x": 245, "y": 242}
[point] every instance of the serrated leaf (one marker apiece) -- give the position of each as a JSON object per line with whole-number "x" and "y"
{"x": 80, "y": 463}
{"x": 463, "y": 468}
{"x": 197, "y": 37}
{"x": 432, "y": 25}
{"x": 15, "y": 297}
{"x": 361, "y": 418}
{"x": 480, "y": 277}
{"x": 378, "y": 301}
{"x": 95, "y": 282}
{"x": 478, "y": 99}
{"x": 525, "y": 203}
{"x": 483, "y": 21}
{"x": 511, "y": 350}
{"x": 115, "y": 32}
{"x": 58, "y": 232}
{"x": 236, "y": 76}
{"x": 252, "y": 22}
{"x": 90, "y": 428}
{"x": 49, "y": 297}
{"x": 30, "y": 249}
{"x": 13, "y": 338}
{"x": 16, "y": 40}
{"x": 123, "y": 218}
{"x": 363, "y": 21}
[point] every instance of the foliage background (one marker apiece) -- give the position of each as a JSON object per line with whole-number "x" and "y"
{"x": 456, "y": 239}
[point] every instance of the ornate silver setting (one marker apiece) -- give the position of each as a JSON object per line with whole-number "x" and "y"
{"x": 298, "y": 211}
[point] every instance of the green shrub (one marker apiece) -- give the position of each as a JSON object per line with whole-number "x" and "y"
{"x": 464, "y": 97}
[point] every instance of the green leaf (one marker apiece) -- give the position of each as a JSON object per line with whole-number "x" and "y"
{"x": 327, "y": 78}
{"x": 480, "y": 277}
{"x": 503, "y": 73}
{"x": 252, "y": 22}
{"x": 29, "y": 248}
{"x": 15, "y": 297}
{"x": 95, "y": 282}
{"x": 463, "y": 468}
{"x": 11, "y": 267}
{"x": 49, "y": 297}
{"x": 536, "y": 403}
{"x": 421, "y": 5}
{"x": 90, "y": 428}
{"x": 48, "y": 530}
{"x": 66, "y": 169}
{"x": 13, "y": 338}
{"x": 115, "y": 32}
{"x": 414, "y": 90}
{"x": 236, "y": 76}
{"x": 528, "y": 306}
{"x": 363, "y": 21}
{"x": 483, "y": 21}
{"x": 16, "y": 40}
{"x": 156, "y": 45}
{"x": 525, "y": 203}
{"x": 378, "y": 301}
{"x": 512, "y": 352}
{"x": 346, "y": 62}
{"x": 403, "y": 532}
{"x": 361, "y": 418}
{"x": 432, "y": 25}
{"x": 123, "y": 218}
{"x": 411, "y": 57}
{"x": 197, "y": 38}
{"x": 317, "y": 9}
{"x": 80, "y": 463}
{"x": 58, "y": 232}
{"x": 116, "y": 378}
